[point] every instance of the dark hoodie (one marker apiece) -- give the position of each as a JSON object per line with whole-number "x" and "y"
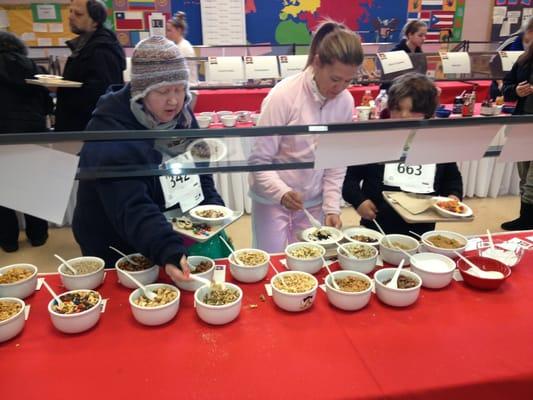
{"x": 25, "y": 106}
{"x": 126, "y": 212}
{"x": 98, "y": 64}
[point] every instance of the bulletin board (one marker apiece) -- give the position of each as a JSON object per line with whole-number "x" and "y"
{"x": 507, "y": 17}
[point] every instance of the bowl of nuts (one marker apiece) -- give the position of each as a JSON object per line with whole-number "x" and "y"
{"x": 357, "y": 257}
{"x": 251, "y": 265}
{"x": 18, "y": 280}
{"x": 158, "y": 311}
{"x": 218, "y": 304}
{"x": 90, "y": 273}
{"x": 305, "y": 257}
{"x": 140, "y": 267}
{"x": 294, "y": 291}
{"x": 11, "y": 317}
{"x": 354, "y": 290}
{"x": 201, "y": 266}
{"x": 78, "y": 312}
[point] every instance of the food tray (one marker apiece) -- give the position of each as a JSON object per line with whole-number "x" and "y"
{"x": 428, "y": 216}
{"x": 201, "y": 238}
{"x": 59, "y": 83}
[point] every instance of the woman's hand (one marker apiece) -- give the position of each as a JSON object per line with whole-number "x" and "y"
{"x": 176, "y": 274}
{"x": 367, "y": 209}
{"x": 523, "y": 89}
{"x": 292, "y": 200}
{"x": 333, "y": 220}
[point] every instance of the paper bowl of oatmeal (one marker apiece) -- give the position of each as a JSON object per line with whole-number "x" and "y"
{"x": 305, "y": 257}
{"x": 90, "y": 273}
{"x": 217, "y": 304}
{"x": 326, "y": 236}
{"x": 201, "y": 266}
{"x": 294, "y": 291}
{"x": 355, "y": 290}
{"x": 18, "y": 280}
{"x": 142, "y": 269}
{"x": 211, "y": 214}
{"x": 252, "y": 265}
{"x": 11, "y": 317}
{"x": 79, "y": 311}
{"x": 360, "y": 257}
{"x": 158, "y": 311}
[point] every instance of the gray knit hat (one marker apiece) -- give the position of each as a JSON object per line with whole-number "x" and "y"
{"x": 156, "y": 62}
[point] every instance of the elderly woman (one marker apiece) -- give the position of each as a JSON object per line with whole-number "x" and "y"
{"x": 127, "y": 213}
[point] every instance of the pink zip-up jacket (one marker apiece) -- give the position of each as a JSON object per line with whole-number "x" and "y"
{"x": 297, "y": 101}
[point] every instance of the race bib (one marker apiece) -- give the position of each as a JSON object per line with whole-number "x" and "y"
{"x": 183, "y": 189}
{"x": 410, "y": 178}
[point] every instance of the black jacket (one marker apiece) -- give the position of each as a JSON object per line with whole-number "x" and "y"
{"x": 519, "y": 73}
{"x": 126, "y": 212}
{"x": 24, "y": 107}
{"x": 98, "y": 64}
{"x": 448, "y": 181}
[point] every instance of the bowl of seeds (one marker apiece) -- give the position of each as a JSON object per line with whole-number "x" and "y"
{"x": 357, "y": 257}
{"x": 158, "y": 311}
{"x": 90, "y": 273}
{"x": 140, "y": 267}
{"x": 201, "y": 266}
{"x": 18, "y": 280}
{"x": 354, "y": 290}
{"x": 218, "y": 304}
{"x": 294, "y": 291}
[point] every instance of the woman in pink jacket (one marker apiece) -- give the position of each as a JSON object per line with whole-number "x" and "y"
{"x": 316, "y": 95}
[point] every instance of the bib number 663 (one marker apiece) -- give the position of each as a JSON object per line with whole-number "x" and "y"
{"x": 415, "y": 170}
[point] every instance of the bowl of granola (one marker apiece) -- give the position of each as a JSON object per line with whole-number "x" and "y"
{"x": 251, "y": 265}
{"x": 357, "y": 257}
{"x": 142, "y": 269}
{"x": 305, "y": 257}
{"x": 78, "y": 312}
{"x": 18, "y": 280}
{"x": 211, "y": 214}
{"x": 218, "y": 304}
{"x": 201, "y": 266}
{"x": 11, "y": 317}
{"x": 158, "y": 311}
{"x": 354, "y": 290}
{"x": 294, "y": 291}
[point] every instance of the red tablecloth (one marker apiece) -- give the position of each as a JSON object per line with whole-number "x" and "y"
{"x": 250, "y": 99}
{"x": 454, "y": 343}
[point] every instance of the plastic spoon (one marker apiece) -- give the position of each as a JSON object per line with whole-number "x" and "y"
{"x": 148, "y": 293}
{"x": 66, "y": 264}
{"x": 491, "y": 242}
{"x": 237, "y": 261}
{"x": 478, "y": 271}
{"x": 277, "y": 273}
{"x": 333, "y": 281}
{"x": 124, "y": 255}
{"x": 394, "y": 281}
{"x": 314, "y": 222}
{"x": 54, "y": 295}
{"x": 382, "y": 232}
{"x": 421, "y": 238}
{"x": 346, "y": 252}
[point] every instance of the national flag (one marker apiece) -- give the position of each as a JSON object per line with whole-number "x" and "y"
{"x": 141, "y": 4}
{"x": 423, "y": 16}
{"x": 432, "y": 4}
{"x": 501, "y": 2}
{"x": 441, "y": 19}
{"x": 129, "y": 21}
{"x": 433, "y": 36}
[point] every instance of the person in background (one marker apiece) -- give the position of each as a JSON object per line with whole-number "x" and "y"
{"x": 127, "y": 213}
{"x": 97, "y": 60}
{"x": 518, "y": 42}
{"x": 176, "y": 31}
{"x": 24, "y": 109}
{"x": 411, "y": 96}
{"x": 316, "y": 95}
{"x": 518, "y": 86}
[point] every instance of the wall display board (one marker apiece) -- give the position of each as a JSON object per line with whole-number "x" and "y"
{"x": 507, "y": 17}
{"x": 223, "y": 22}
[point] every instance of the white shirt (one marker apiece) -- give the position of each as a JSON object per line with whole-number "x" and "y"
{"x": 186, "y": 50}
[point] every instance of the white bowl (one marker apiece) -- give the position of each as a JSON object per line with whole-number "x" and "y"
{"x": 145, "y": 276}
{"x": 86, "y": 281}
{"x": 310, "y": 265}
{"x": 153, "y": 316}
{"x": 20, "y": 289}
{"x": 293, "y": 302}
{"x": 217, "y": 149}
{"x": 427, "y": 246}
{"x": 210, "y": 114}
{"x": 228, "y": 120}
{"x": 348, "y": 301}
{"x": 435, "y": 270}
{"x": 191, "y": 286}
{"x": 211, "y": 221}
{"x": 348, "y": 233}
{"x": 221, "y": 114}
{"x": 363, "y": 265}
{"x": 394, "y": 256}
{"x": 12, "y": 326}
{"x": 336, "y": 235}
{"x": 243, "y": 116}
{"x": 396, "y": 297}
{"x": 249, "y": 274}
{"x": 445, "y": 213}
{"x": 217, "y": 315}
{"x": 75, "y": 323}
{"x": 487, "y": 110}
{"x": 255, "y": 118}
{"x": 203, "y": 121}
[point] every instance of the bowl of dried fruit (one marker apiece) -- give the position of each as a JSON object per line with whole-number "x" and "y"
{"x": 218, "y": 304}
{"x": 201, "y": 266}
{"x": 354, "y": 290}
{"x": 158, "y": 311}
{"x": 251, "y": 265}
{"x": 142, "y": 269}
{"x": 78, "y": 312}
{"x": 11, "y": 317}
{"x": 18, "y": 280}
{"x": 90, "y": 273}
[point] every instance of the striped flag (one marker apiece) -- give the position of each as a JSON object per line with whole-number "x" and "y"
{"x": 141, "y": 4}
{"x": 423, "y": 16}
{"x": 433, "y": 36}
{"x": 129, "y": 21}
{"x": 432, "y": 4}
{"x": 441, "y": 19}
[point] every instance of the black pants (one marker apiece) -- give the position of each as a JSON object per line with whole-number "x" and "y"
{"x": 36, "y": 228}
